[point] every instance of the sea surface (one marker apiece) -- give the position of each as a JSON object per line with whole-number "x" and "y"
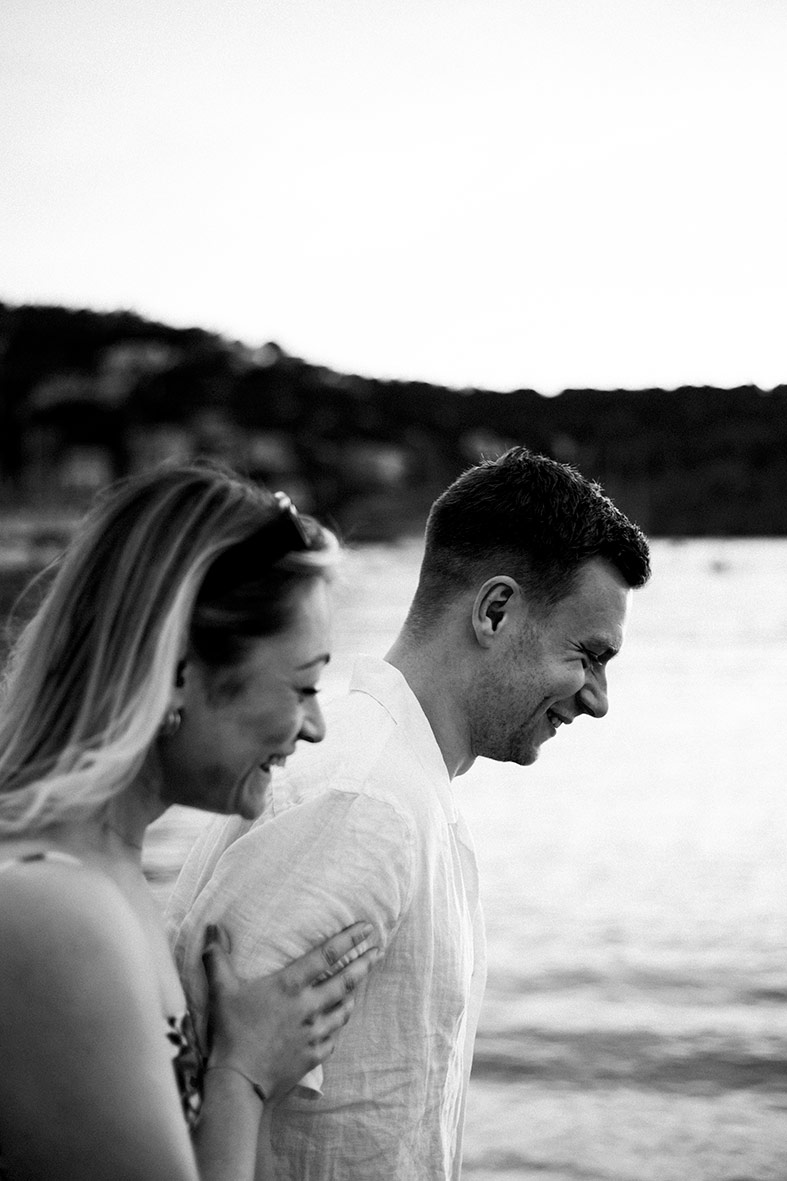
{"x": 635, "y": 887}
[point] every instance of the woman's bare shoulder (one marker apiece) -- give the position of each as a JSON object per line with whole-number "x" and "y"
{"x": 87, "y": 1074}
{"x": 61, "y": 919}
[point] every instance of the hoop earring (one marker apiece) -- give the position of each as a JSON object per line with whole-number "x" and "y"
{"x": 171, "y": 723}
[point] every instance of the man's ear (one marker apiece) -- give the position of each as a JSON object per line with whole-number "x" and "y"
{"x": 492, "y": 608}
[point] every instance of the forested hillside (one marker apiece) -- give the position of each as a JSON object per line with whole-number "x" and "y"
{"x": 87, "y": 396}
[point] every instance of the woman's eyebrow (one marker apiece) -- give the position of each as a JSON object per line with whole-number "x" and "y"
{"x": 324, "y": 659}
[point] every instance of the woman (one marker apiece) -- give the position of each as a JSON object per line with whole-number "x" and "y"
{"x": 175, "y": 660}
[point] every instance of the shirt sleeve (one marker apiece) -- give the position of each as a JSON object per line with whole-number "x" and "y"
{"x": 297, "y": 878}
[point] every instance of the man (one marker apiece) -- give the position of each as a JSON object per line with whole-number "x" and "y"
{"x": 522, "y": 601}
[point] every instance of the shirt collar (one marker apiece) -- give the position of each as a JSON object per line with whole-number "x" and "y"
{"x": 388, "y": 686}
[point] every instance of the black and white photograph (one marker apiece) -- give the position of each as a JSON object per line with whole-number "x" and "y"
{"x": 390, "y": 390}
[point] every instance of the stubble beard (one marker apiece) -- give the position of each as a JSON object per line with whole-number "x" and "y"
{"x": 521, "y": 748}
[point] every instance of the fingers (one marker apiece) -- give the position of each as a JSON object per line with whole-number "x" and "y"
{"x": 327, "y": 1025}
{"x": 330, "y": 957}
{"x": 335, "y": 989}
{"x": 215, "y": 955}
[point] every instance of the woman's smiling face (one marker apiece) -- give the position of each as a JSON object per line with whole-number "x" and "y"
{"x": 236, "y": 725}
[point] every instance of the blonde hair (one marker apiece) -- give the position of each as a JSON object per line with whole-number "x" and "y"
{"x": 90, "y": 680}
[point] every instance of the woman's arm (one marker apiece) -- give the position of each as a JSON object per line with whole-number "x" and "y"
{"x": 265, "y": 1035}
{"x": 226, "y": 1138}
{"x": 87, "y": 1087}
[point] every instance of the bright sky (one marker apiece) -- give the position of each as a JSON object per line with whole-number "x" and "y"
{"x": 503, "y": 193}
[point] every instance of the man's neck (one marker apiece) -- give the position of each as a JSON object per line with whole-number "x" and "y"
{"x": 430, "y": 677}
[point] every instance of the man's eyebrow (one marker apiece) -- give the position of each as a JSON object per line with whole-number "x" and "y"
{"x": 324, "y": 659}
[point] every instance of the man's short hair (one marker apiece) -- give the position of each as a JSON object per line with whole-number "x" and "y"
{"x": 526, "y": 516}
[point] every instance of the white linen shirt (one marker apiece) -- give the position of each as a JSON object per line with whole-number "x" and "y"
{"x": 364, "y": 826}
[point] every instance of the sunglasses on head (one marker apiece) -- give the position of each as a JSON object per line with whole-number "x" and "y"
{"x": 285, "y": 533}
{"x": 282, "y": 534}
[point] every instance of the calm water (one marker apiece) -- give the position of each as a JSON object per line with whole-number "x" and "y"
{"x": 635, "y": 886}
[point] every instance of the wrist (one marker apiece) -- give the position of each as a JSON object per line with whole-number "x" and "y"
{"x": 240, "y": 1073}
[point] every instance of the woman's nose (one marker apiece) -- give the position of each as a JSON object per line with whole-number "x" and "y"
{"x": 313, "y": 726}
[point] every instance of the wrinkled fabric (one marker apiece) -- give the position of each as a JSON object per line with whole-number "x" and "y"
{"x": 364, "y": 826}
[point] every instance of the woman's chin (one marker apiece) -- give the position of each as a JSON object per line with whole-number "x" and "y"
{"x": 250, "y": 799}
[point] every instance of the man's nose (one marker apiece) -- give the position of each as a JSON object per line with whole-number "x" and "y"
{"x": 593, "y": 696}
{"x": 313, "y": 726}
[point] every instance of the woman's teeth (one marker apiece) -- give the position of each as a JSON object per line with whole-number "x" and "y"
{"x": 274, "y": 761}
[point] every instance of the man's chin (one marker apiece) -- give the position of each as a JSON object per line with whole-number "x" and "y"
{"x": 525, "y": 758}
{"x": 521, "y": 756}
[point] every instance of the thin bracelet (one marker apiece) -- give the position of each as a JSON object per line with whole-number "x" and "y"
{"x": 256, "y": 1088}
